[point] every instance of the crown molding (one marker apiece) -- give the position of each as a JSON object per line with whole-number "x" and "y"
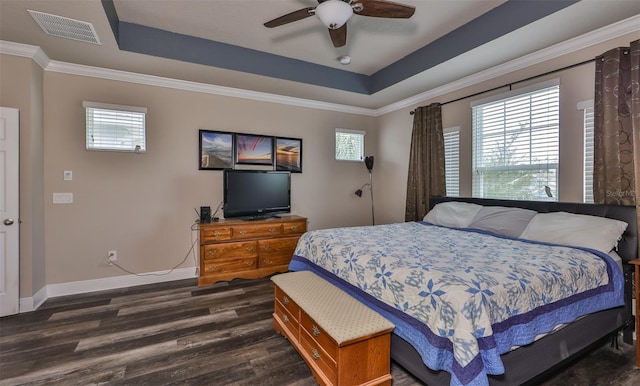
{"x": 598, "y": 36}
{"x": 601, "y": 35}
{"x": 25, "y": 50}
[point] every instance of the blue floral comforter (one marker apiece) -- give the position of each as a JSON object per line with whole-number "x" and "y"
{"x": 462, "y": 297}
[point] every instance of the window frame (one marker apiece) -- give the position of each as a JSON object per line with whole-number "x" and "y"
{"x": 449, "y": 167}
{"x": 136, "y": 114}
{"x": 360, "y": 133}
{"x": 587, "y": 109}
{"x": 509, "y": 125}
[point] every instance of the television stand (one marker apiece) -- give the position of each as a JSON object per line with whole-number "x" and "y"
{"x": 237, "y": 248}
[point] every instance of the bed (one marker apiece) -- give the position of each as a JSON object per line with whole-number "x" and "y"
{"x": 485, "y": 302}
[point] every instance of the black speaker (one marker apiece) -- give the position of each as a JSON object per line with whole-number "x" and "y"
{"x": 368, "y": 161}
{"x": 205, "y": 214}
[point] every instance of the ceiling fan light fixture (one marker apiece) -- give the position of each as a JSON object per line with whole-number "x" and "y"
{"x": 334, "y": 13}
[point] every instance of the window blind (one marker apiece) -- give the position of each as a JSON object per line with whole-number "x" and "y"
{"x": 588, "y": 151}
{"x": 349, "y": 145}
{"x": 515, "y": 146}
{"x": 115, "y": 127}
{"x": 452, "y": 160}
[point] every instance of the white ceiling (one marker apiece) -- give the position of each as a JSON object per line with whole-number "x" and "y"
{"x": 372, "y": 43}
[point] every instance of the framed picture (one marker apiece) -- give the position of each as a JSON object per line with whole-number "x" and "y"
{"x": 289, "y": 154}
{"x": 254, "y": 149}
{"x": 216, "y": 150}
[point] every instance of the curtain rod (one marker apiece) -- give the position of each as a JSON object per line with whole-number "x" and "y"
{"x": 516, "y": 82}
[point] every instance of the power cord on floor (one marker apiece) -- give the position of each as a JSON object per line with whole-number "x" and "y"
{"x": 190, "y": 251}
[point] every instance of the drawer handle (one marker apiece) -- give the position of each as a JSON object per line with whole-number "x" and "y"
{"x": 249, "y": 263}
{"x": 249, "y": 249}
{"x": 243, "y": 232}
{"x": 267, "y": 246}
{"x": 217, "y": 234}
{"x": 285, "y": 299}
{"x": 266, "y": 261}
{"x": 316, "y": 330}
{"x": 213, "y": 251}
{"x": 272, "y": 230}
{"x": 213, "y": 267}
{"x": 285, "y": 318}
{"x": 315, "y": 353}
{"x": 294, "y": 228}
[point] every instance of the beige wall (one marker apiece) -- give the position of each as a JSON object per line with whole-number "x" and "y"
{"x": 21, "y": 82}
{"x": 576, "y": 85}
{"x": 142, "y": 205}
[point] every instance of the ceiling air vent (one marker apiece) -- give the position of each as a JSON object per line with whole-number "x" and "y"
{"x": 64, "y": 27}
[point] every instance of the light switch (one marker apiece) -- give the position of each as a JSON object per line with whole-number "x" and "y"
{"x": 68, "y": 175}
{"x": 63, "y": 198}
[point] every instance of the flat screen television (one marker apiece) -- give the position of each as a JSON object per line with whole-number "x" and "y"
{"x": 256, "y": 194}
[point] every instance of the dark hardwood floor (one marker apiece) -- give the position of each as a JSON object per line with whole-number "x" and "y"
{"x": 177, "y": 333}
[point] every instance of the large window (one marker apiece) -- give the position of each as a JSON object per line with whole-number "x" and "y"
{"x": 515, "y": 144}
{"x": 349, "y": 145}
{"x": 452, "y": 160}
{"x": 587, "y": 111}
{"x": 115, "y": 127}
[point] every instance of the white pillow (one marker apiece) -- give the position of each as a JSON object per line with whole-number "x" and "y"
{"x": 580, "y": 230}
{"x": 453, "y": 214}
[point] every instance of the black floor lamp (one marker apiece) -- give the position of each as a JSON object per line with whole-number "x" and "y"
{"x": 368, "y": 162}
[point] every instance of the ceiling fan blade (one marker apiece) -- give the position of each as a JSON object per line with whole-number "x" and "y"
{"x": 290, "y": 17}
{"x": 339, "y": 36}
{"x": 381, "y": 8}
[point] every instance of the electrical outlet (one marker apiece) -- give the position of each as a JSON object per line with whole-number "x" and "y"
{"x": 112, "y": 256}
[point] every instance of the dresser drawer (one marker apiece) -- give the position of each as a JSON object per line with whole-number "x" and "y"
{"x": 319, "y": 335}
{"x": 215, "y": 234}
{"x": 288, "y": 320}
{"x": 273, "y": 259}
{"x": 289, "y": 304}
{"x": 229, "y": 265}
{"x": 325, "y": 363}
{"x": 294, "y": 227}
{"x": 256, "y": 230}
{"x": 230, "y": 250}
{"x": 281, "y": 245}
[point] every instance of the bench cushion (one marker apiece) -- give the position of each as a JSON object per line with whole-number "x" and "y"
{"x": 343, "y": 317}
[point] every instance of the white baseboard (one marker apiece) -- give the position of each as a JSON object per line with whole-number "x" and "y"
{"x": 84, "y": 286}
{"x": 32, "y": 303}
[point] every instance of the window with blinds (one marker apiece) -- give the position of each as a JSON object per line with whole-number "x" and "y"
{"x": 349, "y": 145}
{"x": 515, "y": 144}
{"x": 587, "y": 110}
{"x": 452, "y": 160}
{"x": 115, "y": 127}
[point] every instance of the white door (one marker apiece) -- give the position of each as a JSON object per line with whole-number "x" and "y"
{"x": 9, "y": 203}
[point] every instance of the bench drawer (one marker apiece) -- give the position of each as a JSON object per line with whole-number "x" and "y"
{"x": 289, "y": 304}
{"x": 319, "y": 335}
{"x": 325, "y": 363}
{"x": 289, "y": 321}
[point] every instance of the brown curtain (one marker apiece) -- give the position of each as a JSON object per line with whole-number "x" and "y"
{"x": 426, "y": 161}
{"x": 616, "y": 174}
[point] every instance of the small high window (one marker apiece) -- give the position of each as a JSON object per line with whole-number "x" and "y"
{"x": 115, "y": 127}
{"x": 349, "y": 145}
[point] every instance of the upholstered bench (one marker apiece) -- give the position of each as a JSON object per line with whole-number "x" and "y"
{"x": 343, "y": 341}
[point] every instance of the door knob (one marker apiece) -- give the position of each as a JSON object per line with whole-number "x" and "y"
{"x": 8, "y": 221}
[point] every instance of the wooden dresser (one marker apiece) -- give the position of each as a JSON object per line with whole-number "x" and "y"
{"x": 234, "y": 248}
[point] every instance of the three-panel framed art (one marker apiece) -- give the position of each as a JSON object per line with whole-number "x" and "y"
{"x": 219, "y": 150}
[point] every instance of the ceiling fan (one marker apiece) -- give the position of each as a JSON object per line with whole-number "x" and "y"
{"x": 335, "y": 13}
